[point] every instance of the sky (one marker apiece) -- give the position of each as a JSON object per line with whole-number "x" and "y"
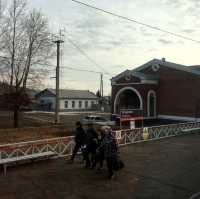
{"x": 116, "y": 44}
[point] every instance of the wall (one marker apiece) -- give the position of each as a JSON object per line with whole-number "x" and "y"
{"x": 62, "y": 104}
{"x": 178, "y": 92}
{"x": 143, "y": 89}
{"x": 48, "y": 100}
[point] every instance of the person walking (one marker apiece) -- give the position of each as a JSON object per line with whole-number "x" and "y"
{"x": 80, "y": 141}
{"x": 99, "y": 156}
{"x": 111, "y": 151}
{"x": 91, "y": 145}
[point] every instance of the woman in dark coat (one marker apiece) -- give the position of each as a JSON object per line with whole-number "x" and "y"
{"x": 110, "y": 149}
{"x": 91, "y": 145}
{"x": 80, "y": 140}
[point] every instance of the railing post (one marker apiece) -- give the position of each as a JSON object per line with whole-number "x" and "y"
{"x": 59, "y": 146}
{"x": 125, "y": 138}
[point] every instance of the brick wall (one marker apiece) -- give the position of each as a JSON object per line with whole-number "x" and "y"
{"x": 143, "y": 89}
{"x": 178, "y": 91}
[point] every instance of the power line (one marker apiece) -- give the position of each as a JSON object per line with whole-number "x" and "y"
{"x": 137, "y": 22}
{"x": 84, "y": 53}
{"x": 69, "y": 68}
{"x": 84, "y": 70}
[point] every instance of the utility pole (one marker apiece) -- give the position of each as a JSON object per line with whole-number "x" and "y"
{"x": 101, "y": 85}
{"x": 0, "y": 9}
{"x": 57, "y": 105}
{"x": 101, "y": 91}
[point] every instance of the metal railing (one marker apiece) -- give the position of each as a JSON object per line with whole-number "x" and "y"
{"x": 64, "y": 146}
{"x": 131, "y": 136}
{"x": 61, "y": 146}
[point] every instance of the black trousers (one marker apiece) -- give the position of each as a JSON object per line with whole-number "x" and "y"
{"x": 90, "y": 154}
{"x": 110, "y": 163}
{"x": 99, "y": 158}
{"x": 75, "y": 151}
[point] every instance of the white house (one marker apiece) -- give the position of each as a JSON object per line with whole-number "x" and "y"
{"x": 70, "y": 100}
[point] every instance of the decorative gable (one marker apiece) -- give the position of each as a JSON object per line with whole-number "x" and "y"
{"x": 128, "y": 79}
{"x": 131, "y": 76}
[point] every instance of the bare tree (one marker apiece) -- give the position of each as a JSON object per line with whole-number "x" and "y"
{"x": 27, "y": 45}
{"x": 2, "y": 21}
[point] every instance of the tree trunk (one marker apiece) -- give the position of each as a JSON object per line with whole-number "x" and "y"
{"x": 16, "y": 117}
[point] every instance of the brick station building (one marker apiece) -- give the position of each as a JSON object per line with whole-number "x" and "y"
{"x": 158, "y": 89}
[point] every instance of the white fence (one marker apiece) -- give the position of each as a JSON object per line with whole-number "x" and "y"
{"x": 61, "y": 146}
{"x": 64, "y": 146}
{"x": 157, "y": 132}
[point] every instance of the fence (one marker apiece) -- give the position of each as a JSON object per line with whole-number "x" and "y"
{"x": 61, "y": 146}
{"x": 156, "y": 132}
{"x": 64, "y": 146}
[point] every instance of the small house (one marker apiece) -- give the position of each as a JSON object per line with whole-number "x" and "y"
{"x": 69, "y": 100}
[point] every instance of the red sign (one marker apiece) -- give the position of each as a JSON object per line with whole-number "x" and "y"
{"x": 131, "y": 115}
{"x": 131, "y": 119}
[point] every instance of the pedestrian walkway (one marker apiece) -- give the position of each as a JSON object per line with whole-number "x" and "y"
{"x": 166, "y": 169}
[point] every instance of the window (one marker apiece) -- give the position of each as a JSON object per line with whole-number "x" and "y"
{"x": 155, "y": 67}
{"x": 151, "y": 103}
{"x": 80, "y": 104}
{"x": 86, "y": 104}
{"x": 66, "y": 104}
{"x": 73, "y": 104}
{"x": 92, "y": 103}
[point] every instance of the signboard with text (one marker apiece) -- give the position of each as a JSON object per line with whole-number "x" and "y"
{"x": 131, "y": 115}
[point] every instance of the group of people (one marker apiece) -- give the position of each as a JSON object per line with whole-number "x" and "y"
{"x": 97, "y": 147}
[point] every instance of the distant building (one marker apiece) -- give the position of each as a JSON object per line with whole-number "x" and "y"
{"x": 70, "y": 100}
{"x": 158, "y": 89}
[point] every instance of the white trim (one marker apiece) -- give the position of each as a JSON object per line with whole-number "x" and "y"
{"x": 136, "y": 83}
{"x": 127, "y": 88}
{"x": 149, "y": 81}
{"x": 139, "y": 75}
{"x": 174, "y": 117}
{"x": 167, "y": 64}
{"x": 155, "y": 67}
{"x": 148, "y": 102}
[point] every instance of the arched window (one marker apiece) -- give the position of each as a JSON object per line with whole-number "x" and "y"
{"x": 127, "y": 98}
{"x": 151, "y": 104}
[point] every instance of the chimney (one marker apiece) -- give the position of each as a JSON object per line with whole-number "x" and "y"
{"x": 163, "y": 59}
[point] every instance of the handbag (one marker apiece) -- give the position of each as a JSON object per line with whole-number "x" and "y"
{"x": 118, "y": 164}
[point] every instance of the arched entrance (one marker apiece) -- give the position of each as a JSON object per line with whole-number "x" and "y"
{"x": 127, "y": 98}
{"x": 151, "y": 104}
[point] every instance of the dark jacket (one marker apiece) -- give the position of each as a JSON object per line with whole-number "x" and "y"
{"x": 80, "y": 136}
{"x": 92, "y": 139}
{"x": 100, "y": 149}
{"x": 110, "y": 146}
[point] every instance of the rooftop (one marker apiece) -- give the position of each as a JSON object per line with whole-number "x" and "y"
{"x": 165, "y": 169}
{"x": 73, "y": 94}
{"x": 161, "y": 62}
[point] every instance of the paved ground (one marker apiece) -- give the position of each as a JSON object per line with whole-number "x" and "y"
{"x": 167, "y": 169}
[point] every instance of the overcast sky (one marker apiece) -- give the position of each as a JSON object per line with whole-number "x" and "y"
{"x": 116, "y": 44}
